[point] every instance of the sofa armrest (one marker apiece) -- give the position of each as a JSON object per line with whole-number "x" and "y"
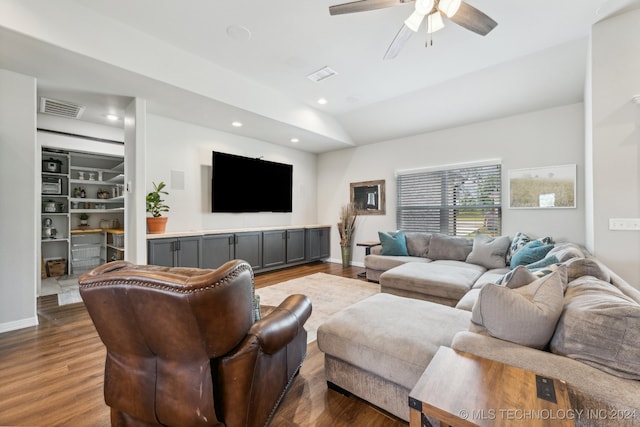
{"x": 375, "y": 250}
{"x": 281, "y": 325}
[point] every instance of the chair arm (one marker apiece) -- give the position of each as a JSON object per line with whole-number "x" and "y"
{"x": 280, "y": 327}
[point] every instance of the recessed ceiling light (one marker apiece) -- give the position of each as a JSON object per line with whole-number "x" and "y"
{"x": 294, "y": 140}
{"x": 236, "y": 124}
{"x": 322, "y": 101}
{"x": 112, "y": 117}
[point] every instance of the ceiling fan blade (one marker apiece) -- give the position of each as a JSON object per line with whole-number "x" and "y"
{"x": 473, "y": 20}
{"x": 398, "y": 42}
{"x": 364, "y": 5}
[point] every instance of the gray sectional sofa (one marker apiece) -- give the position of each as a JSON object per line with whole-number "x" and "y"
{"x": 572, "y": 319}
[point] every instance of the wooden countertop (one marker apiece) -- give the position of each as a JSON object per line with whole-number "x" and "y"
{"x": 97, "y": 230}
{"x": 231, "y": 230}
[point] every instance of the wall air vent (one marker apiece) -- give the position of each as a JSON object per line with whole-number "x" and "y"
{"x": 60, "y": 108}
{"x": 321, "y": 74}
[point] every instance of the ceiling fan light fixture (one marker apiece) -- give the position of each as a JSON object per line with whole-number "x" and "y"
{"x": 422, "y": 8}
{"x": 413, "y": 22}
{"x": 449, "y": 7}
{"x": 434, "y": 22}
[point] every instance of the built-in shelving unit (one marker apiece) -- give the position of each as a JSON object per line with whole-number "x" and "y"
{"x": 89, "y": 185}
{"x": 54, "y": 207}
{"x": 115, "y": 245}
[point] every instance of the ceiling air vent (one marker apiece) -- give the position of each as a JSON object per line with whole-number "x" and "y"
{"x": 321, "y": 74}
{"x": 60, "y": 108}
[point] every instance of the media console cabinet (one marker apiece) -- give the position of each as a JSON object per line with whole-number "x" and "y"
{"x": 264, "y": 248}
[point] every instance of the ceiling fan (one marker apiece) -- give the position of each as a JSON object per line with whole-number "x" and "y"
{"x": 457, "y": 11}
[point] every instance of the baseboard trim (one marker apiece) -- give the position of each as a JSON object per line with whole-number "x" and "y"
{"x": 18, "y": 324}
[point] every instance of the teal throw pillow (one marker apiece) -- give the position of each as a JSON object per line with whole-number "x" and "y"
{"x": 520, "y": 240}
{"x": 544, "y": 262}
{"x": 532, "y": 252}
{"x": 395, "y": 244}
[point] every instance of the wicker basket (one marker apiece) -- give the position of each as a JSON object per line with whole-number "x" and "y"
{"x": 56, "y": 267}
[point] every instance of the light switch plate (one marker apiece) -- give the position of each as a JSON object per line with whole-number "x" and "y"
{"x": 624, "y": 223}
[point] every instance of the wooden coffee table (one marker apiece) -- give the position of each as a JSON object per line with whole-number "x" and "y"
{"x": 461, "y": 389}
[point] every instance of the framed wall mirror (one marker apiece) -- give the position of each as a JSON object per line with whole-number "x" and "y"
{"x": 368, "y": 197}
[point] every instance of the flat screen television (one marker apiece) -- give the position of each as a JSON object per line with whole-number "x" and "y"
{"x": 244, "y": 184}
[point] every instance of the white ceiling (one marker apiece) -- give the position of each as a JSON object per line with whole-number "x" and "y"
{"x": 535, "y": 58}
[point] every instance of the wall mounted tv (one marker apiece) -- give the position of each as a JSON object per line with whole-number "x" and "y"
{"x": 243, "y": 184}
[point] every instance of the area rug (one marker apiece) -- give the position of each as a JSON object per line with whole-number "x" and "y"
{"x": 328, "y": 294}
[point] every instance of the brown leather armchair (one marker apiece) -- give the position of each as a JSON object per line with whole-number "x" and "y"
{"x": 183, "y": 348}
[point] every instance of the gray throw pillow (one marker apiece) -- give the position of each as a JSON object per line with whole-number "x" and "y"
{"x": 566, "y": 251}
{"x": 417, "y": 243}
{"x": 600, "y": 326}
{"x": 489, "y": 252}
{"x": 526, "y": 315}
{"x": 578, "y": 267}
{"x": 453, "y": 248}
{"x": 517, "y": 277}
{"x": 521, "y": 275}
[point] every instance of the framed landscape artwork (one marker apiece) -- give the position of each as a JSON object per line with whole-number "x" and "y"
{"x": 545, "y": 187}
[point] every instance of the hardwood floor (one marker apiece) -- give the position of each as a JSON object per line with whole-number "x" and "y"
{"x": 52, "y": 374}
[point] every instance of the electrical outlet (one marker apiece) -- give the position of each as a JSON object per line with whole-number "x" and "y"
{"x": 624, "y": 223}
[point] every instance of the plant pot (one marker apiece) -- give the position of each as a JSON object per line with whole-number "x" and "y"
{"x": 156, "y": 225}
{"x": 346, "y": 255}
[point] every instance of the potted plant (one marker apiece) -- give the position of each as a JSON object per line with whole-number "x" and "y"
{"x": 157, "y": 223}
{"x": 346, "y": 229}
{"x": 84, "y": 218}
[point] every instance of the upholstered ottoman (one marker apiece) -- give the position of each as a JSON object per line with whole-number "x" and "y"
{"x": 444, "y": 282}
{"x": 379, "y": 347}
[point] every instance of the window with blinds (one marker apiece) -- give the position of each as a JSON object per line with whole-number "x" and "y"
{"x": 458, "y": 201}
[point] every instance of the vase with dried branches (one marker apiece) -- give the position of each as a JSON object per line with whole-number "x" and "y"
{"x": 346, "y": 229}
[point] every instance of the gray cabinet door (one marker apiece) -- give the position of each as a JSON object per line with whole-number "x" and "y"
{"x": 161, "y": 252}
{"x": 248, "y": 247}
{"x": 188, "y": 252}
{"x": 325, "y": 242}
{"x": 295, "y": 245}
{"x": 318, "y": 244}
{"x": 217, "y": 249}
{"x": 274, "y": 248}
{"x": 182, "y": 252}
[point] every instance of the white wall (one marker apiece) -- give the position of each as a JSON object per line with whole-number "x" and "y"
{"x": 20, "y": 249}
{"x": 135, "y": 131}
{"x": 79, "y": 127}
{"x": 548, "y": 137}
{"x": 615, "y": 150}
{"x": 183, "y": 148}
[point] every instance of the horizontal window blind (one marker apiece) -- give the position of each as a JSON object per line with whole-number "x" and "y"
{"x": 455, "y": 201}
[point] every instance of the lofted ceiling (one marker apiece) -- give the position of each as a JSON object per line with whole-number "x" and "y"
{"x": 213, "y": 62}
